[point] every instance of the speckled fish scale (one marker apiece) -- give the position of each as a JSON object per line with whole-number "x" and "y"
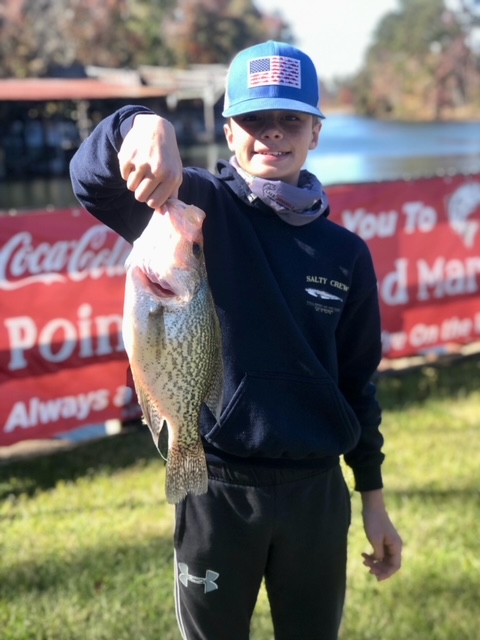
{"x": 172, "y": 337}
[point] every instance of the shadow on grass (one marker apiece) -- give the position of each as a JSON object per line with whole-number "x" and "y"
{"x": 89, "y": 570}
{"x": 121, "y": 590}
{"x": 43, "y": 472}
{"x": 395, "y": 390}
{"x": 443, "y": 496}
{"x": 445, "y": 379}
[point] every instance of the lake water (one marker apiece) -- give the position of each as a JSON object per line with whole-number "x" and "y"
{"x": 352, "y": 149}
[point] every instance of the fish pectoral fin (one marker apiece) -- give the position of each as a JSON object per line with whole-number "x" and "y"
{"x": 162, "y": 444}
{"x": 155, "y": 422}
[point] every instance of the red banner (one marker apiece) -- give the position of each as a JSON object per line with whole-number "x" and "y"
{"x": 425, "y": 239}
{"x": 62, "y": 361}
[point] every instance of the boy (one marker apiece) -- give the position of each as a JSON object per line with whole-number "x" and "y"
{"x": 297, "y": 301}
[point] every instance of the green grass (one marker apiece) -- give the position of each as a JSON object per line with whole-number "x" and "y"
{"x": 85, "y": 534}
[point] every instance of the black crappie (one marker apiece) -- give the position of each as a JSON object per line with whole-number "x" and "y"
{"x": 172, "y": 338}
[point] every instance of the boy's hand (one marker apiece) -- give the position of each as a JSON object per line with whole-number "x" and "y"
{"x": 150, "y": 161}
{"x": 386, "y": 558}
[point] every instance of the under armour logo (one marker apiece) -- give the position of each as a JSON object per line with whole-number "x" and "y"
{"x": 208, "y": 581}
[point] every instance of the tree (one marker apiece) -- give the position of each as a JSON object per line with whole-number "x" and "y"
{"x": 212, "y": 31}
{"x": 418, "y": 65}
{"x": 37, "y": 35}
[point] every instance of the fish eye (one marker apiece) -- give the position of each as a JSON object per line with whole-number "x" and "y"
{"x": 196, "y": 249}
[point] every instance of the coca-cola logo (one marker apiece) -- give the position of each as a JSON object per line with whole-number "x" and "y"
{"x": 24, "y": 261}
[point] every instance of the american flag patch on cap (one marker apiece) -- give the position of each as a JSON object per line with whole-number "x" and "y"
{"x": 277, "y": 70}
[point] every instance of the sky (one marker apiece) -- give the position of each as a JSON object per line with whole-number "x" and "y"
{"x": 334, "y": 33}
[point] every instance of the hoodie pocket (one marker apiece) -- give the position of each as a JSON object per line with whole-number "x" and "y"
{"x": 276, "y": 415}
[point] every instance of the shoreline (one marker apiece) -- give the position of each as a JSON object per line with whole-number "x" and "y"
{"x": 464, "y": 114}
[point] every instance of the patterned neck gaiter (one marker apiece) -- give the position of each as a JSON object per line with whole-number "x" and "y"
{"x": 295, "y": 205}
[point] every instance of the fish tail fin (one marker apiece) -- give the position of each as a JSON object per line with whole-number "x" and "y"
{"x": 186, "y": 472}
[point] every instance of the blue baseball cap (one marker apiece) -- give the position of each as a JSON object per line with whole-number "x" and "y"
{"x": 271, "y": 75}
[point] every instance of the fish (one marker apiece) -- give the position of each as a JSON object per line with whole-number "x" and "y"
{"x": 172, "y": 337}
{"x": 316, "y": 293}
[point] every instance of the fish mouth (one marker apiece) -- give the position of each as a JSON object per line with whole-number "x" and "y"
{"x": 160, "y": 288}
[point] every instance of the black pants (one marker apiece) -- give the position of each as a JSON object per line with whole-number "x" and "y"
{"x": 289, "y": 527}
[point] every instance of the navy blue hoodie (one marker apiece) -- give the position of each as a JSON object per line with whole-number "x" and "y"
{"x": 298, "y": 308}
